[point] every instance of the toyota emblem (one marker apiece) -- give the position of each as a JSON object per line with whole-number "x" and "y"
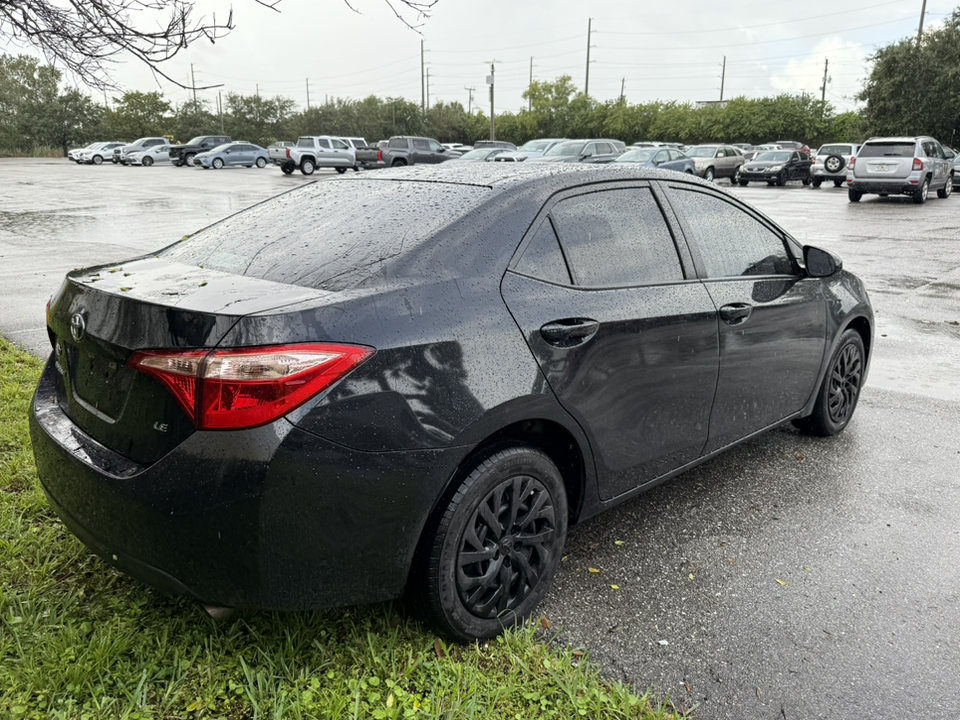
{"x": 77, "y": 326}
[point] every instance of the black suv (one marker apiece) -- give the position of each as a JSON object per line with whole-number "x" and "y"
{"x": 183, "y": 154}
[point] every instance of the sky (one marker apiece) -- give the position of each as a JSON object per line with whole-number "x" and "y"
{"x": 649, "y": 51}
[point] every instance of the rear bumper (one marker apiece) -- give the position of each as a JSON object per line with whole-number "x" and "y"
{"x": 889, "y": 187}
{"x": 272, "y": 518}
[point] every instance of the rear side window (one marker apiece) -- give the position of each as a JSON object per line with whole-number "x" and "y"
{"x": 333, "y": 237}
{"x": 397, "y": 143}
{"x": 732, "y": 243}
{"x": 542, "y": 258}
{"x": 617, "y": 238}
{"x": 305, "y": 142}
{"x": 887, "y": 149}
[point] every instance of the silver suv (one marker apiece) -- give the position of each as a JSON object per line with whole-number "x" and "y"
{"x": 830, "y": 163}
{"x": 900, "y": 166}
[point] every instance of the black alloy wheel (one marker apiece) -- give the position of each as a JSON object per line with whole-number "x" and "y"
{"x": 840, "y": 390}
{"x": 489, "y": 561}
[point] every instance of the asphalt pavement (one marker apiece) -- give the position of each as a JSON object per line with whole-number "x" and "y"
{"x": 791, "y": 577}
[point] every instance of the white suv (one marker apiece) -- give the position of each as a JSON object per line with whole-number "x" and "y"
{"x": 900, "y": 166}
{"x": 830, "y": 163}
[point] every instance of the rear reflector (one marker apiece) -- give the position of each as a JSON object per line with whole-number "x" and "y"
{"x": 233, "y": 389}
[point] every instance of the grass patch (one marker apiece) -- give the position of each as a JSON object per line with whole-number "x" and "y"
{"x": 79, "y": 640}
{"x": 38, "y": 151}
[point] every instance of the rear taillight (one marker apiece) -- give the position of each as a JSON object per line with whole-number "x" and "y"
{"x": 853, "y": 161}
{"x": 288, "y": 152}
{"x": 814, "y": 160}
{"x": 917, "y": 164}
{"x": 379, "y": 155}
{"x": 239, "y": 388}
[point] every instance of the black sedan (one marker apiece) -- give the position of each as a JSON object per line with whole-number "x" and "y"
{"x": 777, "y": 167}
{"x": 305, "y": 405}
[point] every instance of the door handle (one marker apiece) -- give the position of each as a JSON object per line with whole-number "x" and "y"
{"x": 735, "y": 313}
{"x": 569, "y": 332}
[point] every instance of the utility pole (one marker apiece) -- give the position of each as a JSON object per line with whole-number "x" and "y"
{"x": 923, "y": 11}
{"x": 258, "y": 91}
{"x": 823, "y": 89}
{"x": 586, "y": 84}
{"x": 490, "y": 78}
{"x": 623, "y": 82}
{"x": 723, "y": 77}
{"x": 530, "y": 87}
{"x": 470, "y": 100}
{"x": 308, "y": 93}
{"x": 423, "y": 87}
{"x": 220, "y": 108}
{"x": 193, "y": 84}
{"x": 428, "y": 89}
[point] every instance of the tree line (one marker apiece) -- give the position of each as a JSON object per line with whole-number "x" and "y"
{"x": 912, "y": 89}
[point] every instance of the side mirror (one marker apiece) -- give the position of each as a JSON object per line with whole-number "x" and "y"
{"x": 819, "y": 262}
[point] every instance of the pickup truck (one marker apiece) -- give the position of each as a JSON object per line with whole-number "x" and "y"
{"x": 405, "y": 150}
{"x": 183, "y": 154}
{"x": 277, "y": 151}
{"x": 370, "y": 158}
{"x": 318, "y": 151}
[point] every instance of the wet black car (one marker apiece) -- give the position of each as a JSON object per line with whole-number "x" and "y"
{"x": 414, "y": 382}
{"x": 777, "y": 167}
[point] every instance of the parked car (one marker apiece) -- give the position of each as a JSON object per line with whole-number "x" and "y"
{"x": 900, "y": 166}
{"x": 776, "y": 167}
{"x": 182, "y": 155}
{"x": 952, "y": 157}
{"x": 236, "y": 153}
{"x": 72, "y": 154}
{"x": 536, "y": 148}
{"x": 319, "y": 151}
{"x": 139, "y": 145}
{"x": 405, "y": 150}
{"x": 456, "y": 147}
{"x": 487, "y": 154}
{"x": 494, "y": 143}
{"x": 830, "y": 163}
{"x": 96, "y": 156}
{"x": 716, "y": 161}
{"x": 794, "y": 145}
{"x": 663, "y": 158}
{"x": 304, "y": 405}
{"x": 156, "y": 155}
{"x": 590, "y": 152}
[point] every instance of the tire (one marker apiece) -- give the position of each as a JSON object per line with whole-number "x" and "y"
{"x": 771, "y": 182}
{"x": 834, "y": 163}
{"x": 261, "y": 162}
{"x": 837, "y": 183}
{"x": 806, "y": 181}
{"x": 782, "y": 178}
{"x": 287, "y": 168}
{"x": 944, "y": 192}
{"x": 735, "y": 179}
{"x": 217, "y": 163}
{"x": 920, "y": 195}
{"x": 341, "y": 170}
{"x": 188, "y": 158}
{"x": 840, "y": 390}
{"x": 476, "y": 572}
{"x": 307, "y": 166}
{"x": 854, "y": 195}
{"x": 817, "y": 182}
{"x": 743, "y": 183}
{"x": 708, "y": 174}
{"x": 147, "y": 161}
{"x": 398, "y": 163}
{"x": 97, "y": 160}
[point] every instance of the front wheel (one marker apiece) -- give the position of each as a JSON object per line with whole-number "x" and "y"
{"x": 782, "y": 179}
{"x": 217, "y": 164}
{"x": 920, "y": 195}
{"x": 489, "y": 560}
{"x": 944, "y": 192}
{"x": 708, "y": 175}
{"x": 743, "y": 183}
{"x": 840, "y": 390}
{"x": 341, "y": 170}
{"x": 188, "y": 158}
{"x": 97, "y": 160}
{"x": 735, "y": 180}
{"x": 261, "y": 162}
{"x": 147, "y": 161}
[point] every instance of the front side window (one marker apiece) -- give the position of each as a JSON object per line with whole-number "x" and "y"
{"x": 732, "y": 243}
{"x": 617, "y": 238}
{"x": 339, "y": 144}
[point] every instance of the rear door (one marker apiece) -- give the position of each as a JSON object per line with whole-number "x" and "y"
{"x": 771, "y": 316}
{"x": 624, "y": 336}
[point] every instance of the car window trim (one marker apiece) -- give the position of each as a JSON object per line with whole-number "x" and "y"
{"x": 695, "y": 249}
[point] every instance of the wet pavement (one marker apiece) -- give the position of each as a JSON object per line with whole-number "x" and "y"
{"x": 792, "y": 577}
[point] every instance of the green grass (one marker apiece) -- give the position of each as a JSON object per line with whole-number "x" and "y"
{"x": 80, "y": 640}
{"x": 38, "y": 151}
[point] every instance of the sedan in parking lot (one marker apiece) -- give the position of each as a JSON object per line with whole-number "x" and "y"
{"x": 156, "y": 155}
{"x": 304, "y": 406}
{"x": 663, "y": 158}
{"x": 777, "y": 167}
{"x": 233, "y": 154}
{"x": 487, "y": 154}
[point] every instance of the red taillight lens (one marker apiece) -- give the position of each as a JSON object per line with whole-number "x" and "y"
{"x": 917, "y": 164}
{"x": 853, "y": 161}
{"x": 241, "y": 388}
{"x": 379, "y": 155}
{"x": 288, "y": 152}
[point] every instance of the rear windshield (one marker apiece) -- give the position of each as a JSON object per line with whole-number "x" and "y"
{"x": 835, "y": 150}
{"x": 891, "y": 149}
{"x": 332, "y": 235}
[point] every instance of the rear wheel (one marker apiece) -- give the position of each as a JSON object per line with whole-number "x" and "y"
{"x": 341, "y": 170}
{"x": 854, "y": 195}
{"x": 944, "y": 192}
{"x": 147, "y": 161}
{"x": 398, "y": 163}
{"x": 817, "y": 182}
{"x": 287, "y": 168}
{"x": 307, "y": 167}
{"x": 217, "y": 164}
{"x": 743, "y": 183}
{"x": 920, "y": 194}
{"x": 261, "y": 162}
{"x": 489, "y": 560}
{"x": 840, "y": 390}
{"x": 782, "y": 178}
{"x": 837, "y": 183}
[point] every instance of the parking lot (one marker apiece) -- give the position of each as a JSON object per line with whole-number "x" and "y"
{"x": 790, "y": 578}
